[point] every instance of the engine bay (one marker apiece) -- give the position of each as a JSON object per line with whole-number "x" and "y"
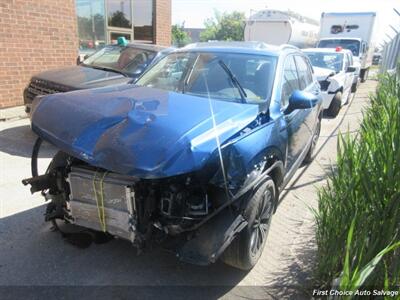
{"x": 138, "y": 210}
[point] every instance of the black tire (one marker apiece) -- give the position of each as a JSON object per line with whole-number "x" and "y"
{"x": 246, "y": 249}
{"x": 310, "y": 154}
{"x": 335, "y": 105}
{"x": 354, "y": 87}
{"x": 365, "y": 75}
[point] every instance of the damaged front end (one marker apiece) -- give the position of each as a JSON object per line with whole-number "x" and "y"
{"x": 185, "y": 212}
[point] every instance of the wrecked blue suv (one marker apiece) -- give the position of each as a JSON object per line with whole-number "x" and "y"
{"x": 192, "y": 156}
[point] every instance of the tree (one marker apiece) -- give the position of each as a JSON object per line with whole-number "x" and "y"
{"x": 224, "y": 27}
{"x": 180, "y": 38}
{"x": 118, "y": 19}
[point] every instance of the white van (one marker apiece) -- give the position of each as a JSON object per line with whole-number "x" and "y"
{"x": 353, "y": 31}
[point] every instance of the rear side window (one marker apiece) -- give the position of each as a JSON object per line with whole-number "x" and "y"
{"x": 304, "y": 71}
{"x": 290, "y": 81}
{"x": 350, "y": 59}
{"x": 346, "y": 62}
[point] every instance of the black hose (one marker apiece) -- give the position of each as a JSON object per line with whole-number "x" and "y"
{"x": 34, "y": 158}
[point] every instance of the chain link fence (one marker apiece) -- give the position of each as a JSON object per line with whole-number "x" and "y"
{"x": 391, "y": 52}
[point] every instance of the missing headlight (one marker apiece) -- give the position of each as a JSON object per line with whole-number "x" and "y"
{"x": 324, "y": 84}
{"x": 180, "y": 201}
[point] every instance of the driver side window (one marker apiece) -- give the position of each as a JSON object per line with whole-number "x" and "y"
{"x": 290, "y": 81}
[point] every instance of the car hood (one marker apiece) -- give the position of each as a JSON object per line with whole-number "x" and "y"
{"x": 138, "y": 131}
{"x": 322, "y": 73}
{"x": 80, "y": 77}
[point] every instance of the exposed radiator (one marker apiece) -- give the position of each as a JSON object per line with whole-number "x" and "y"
{"x": 118, "y": 199}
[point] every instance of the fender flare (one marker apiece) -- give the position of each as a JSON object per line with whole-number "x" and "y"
{"x": 276, "y": 173}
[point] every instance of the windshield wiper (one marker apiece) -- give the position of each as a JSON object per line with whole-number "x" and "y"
{"x": 235, "y": 82}
{"x": 107, "y": 69}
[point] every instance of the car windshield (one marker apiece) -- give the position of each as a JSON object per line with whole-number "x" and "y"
{"x": 352, "y": 45}
{"x": 226, "y": 76}
{"x": 328, "y": 60}
{"x": 128, "y": 60}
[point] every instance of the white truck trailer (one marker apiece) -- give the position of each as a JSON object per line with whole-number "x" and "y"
{"x": 353, "y": 31}
{"x": 278, "y": 27}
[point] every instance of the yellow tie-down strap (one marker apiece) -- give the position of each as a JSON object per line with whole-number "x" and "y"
{"x": 99, "y": 193}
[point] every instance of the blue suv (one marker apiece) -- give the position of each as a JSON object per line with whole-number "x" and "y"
{"x": 192, "y": 156}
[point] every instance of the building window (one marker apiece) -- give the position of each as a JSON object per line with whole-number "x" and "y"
{"x": 101, "y": 22}
{"x": 119, "y": 13}
{"x": 143, "y": 20}
{"x": 91, "y": 24}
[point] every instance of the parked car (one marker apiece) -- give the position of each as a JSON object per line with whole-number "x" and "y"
{"x": 377, "y": 58}
{"x": 195, "y": 152}
{"x": 335, "y": 73}
{"x": 111, "y": 65}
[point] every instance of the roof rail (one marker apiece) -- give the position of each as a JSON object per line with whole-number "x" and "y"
{"x": 284, "y": 46}
{"x": 242, "y": 44}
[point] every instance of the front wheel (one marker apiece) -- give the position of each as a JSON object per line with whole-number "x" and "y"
{"x": 246, "y": 249}
{"x": 335, "y": 105}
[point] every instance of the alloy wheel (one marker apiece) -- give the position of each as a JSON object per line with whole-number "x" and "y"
{"x": 261, "y": 224}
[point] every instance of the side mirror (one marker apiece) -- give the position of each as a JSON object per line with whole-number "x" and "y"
{"x": 80, "y": 59}
{"x": 301, "y": 100}
{"x": 350, "y": 69}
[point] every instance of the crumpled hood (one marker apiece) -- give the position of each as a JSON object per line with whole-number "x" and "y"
{"x": 322, "y": 73}
{"x": 80, "y": 77}
{"x": 138, "y": 131}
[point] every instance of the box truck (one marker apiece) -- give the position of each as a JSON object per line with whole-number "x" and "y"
{"x": 278, "y": 27}
{"x": 353, "y": 31}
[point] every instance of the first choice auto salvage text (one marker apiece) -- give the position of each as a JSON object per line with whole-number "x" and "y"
{"x": 375, "y": 292}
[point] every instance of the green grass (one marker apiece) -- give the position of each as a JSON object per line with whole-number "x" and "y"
{"x": 358, "y": 217}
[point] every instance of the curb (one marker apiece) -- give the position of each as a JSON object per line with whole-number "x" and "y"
{"x": 12, "y": 113}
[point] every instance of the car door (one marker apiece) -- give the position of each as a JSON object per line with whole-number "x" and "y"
{"x": 349, "y": 75}
{"x": 297, "y": 131}
{"x": 346, "y": 82}
{"x": 309, "y": 85}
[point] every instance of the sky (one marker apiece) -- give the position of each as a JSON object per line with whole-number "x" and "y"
{"x": 194, "y": 12}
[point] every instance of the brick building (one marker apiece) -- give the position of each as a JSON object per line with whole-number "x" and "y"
{"x": 39, "y": 35}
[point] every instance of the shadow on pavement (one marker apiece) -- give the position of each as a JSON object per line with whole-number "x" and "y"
{"x": 19, "y": 141}
{"x": 32, "y": 255}
{"x": 296, "y": 280}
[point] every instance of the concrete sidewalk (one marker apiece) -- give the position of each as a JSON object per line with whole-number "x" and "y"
{"x": 13, "y": 113}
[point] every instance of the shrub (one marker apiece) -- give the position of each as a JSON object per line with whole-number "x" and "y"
{"x": 358, "y": 217}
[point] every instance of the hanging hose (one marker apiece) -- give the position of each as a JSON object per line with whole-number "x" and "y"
{"x": 34, "y": 157}
{"x": 35, "y": 173}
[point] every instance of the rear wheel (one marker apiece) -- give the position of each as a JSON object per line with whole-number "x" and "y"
{"x": 364, "y": 76}
{"x": 335, "y": 105}
{"x": 354, "y": 87}
{"x": 246, "y": 249}
{"x": 310, "y": 154}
